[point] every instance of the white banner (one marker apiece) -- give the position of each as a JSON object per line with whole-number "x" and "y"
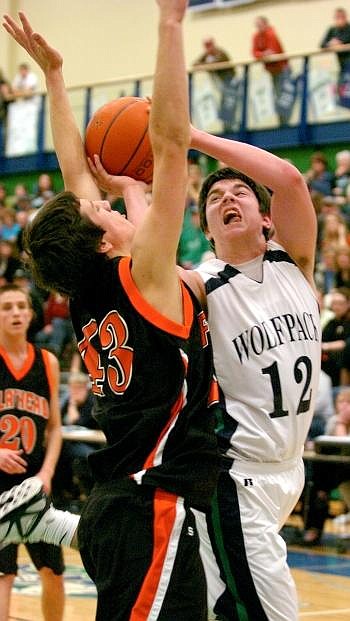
{"x": 322, "y": 95}
{"x": 205, "y": 103}
{"x": 261, "y": 101}
{"x": 22, "y": 127}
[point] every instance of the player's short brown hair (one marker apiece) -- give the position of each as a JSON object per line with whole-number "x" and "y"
{"x": 62, "y": 246}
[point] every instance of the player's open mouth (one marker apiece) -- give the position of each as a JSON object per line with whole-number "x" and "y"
{"x": 231, "y": 216}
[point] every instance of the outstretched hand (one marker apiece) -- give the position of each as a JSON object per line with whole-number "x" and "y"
{"x": 112, "y": 184}
{"x": 44, "y": 55}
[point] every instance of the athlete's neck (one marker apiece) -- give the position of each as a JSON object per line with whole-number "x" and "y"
{"x": 236, "y": 256}
{"x": 16, "y": 348}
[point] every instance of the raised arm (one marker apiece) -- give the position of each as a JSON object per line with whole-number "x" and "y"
{"x": 66, "y": 137}
{"x": 292, "y": 211}
{"x": 155, "y": 242}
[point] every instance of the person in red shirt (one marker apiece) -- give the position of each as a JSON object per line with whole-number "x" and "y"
{"x": 58, "y": 330}
{"x": 266, "y": 43}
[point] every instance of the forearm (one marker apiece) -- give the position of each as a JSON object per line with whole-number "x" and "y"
{"x": 257, "y": 53}
{"x": 169, "y": 130}
{"x": 333, "y": 346}
{"x": 52, "y": 452}
{"x": 136, "y": 203}
{"x": 262, "y": 166}
{"x": 169, "y": 116}
{"x": 67, "y": 140}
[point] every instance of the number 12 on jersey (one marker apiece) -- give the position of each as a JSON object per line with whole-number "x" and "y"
{"x": 302, "y": 372}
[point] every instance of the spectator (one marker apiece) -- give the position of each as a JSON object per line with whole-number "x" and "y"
{"x": 9, "y": 229}
{"x": 319, "y": 178}
{"x": 334, "y": 233}
{"x": 328, "y": 204}
{"x": 223, "y": 78}
{"x": 195, "y": 179}
{"x": 342, "y": 174}
{"x": 22, "y": 279}
{"x": 214, "y": 54}
{"x": 22, "y": 219}
{"x": 342, "y": 265}
{"x": 336, "y": 338}
{"x": 266, "y": 43}
{"x": 20, "y": 193}
{"x": 25, "y": 82}
{"x": 193, "y": 244}
{"x": 325, "y": 270}
{"x": 24, "y": 203}
{"x": 58, "y": 330}
{"x": 3, "y": 195}
{"x": 9, "y": 261}
{"x": 44, "y": 191}
{"x": 76, "y": 409}
{"x": 324, "y": 407}
{"x": 326, "y": 314}
{"x": 336, "y": 36}
{"x": 5, "y": 96}
{"x": 344, "y": 518}
{"x": 322, "y": 478}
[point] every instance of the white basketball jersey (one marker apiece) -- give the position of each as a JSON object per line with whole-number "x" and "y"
{"x": 267, "y": 351}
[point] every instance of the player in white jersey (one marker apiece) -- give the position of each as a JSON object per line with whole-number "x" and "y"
{"x": 264, "y": 321}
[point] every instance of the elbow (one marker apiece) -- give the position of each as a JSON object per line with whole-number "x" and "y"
{"x": 291, "y": 175}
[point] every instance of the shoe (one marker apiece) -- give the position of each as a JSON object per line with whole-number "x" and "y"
{"x": 21, "y": 509}
{"x": 342, "y": 520}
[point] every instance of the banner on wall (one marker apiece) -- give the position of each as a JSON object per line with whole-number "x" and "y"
{"x": 321, "y": 94}
{"x": 230, "y": 104}
{"x": 205, "y": 103}
{"x": 261, "y": 100}
{"x": 286, "y": 97}
{"x": 22, "y": 127}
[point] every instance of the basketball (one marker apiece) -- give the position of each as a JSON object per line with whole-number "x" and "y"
{"x": 118, "y": 133}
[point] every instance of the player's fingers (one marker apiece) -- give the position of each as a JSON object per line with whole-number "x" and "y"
{"x": 18, "y": 461}
{"x": 99, "y": 167}
{"x": 92, "y": 166}
{"x": 100, "y": 182}
{"x": 25, "y": 23}
{"x": 17, "y": 469}
{"x": 11, "y": 26}
{"x": 10, "y": 22}
{"x": 16, "y": 31}
{"x": 17, "y": 34}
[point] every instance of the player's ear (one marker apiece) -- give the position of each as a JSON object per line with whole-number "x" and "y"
{"x": 104, "y": 246}
{"x": 267, "y": 222}
{"x": 208, "y": 235}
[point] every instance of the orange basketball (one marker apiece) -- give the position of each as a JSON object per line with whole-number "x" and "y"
{"x": 118, "y": 133}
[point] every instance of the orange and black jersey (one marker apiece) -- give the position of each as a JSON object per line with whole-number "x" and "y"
{"x": 24, "y": 409}
{"x": 153, "y": 380}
